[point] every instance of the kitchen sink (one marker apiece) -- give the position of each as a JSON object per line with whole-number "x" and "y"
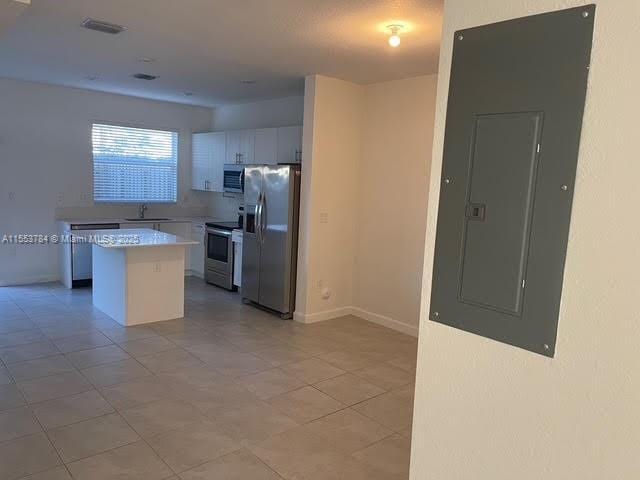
{"x": 146, "y": 219}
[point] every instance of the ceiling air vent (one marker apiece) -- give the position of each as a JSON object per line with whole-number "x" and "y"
{"x": 104, "y": 27}
{"x": 144, "y": 76}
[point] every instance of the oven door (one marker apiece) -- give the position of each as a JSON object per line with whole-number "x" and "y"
{"x": 233, "y": 180}
{"x": 219, "y": 251}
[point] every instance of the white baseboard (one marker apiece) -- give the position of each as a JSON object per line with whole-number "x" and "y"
{"x": 30, "y": 280}
{"x": 385, "y": 321}
{"x": 358, "y": 312}
{"x": 322, "y": 316}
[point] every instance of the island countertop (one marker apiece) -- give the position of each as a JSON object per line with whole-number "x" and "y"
{"x": 132, "y": 238}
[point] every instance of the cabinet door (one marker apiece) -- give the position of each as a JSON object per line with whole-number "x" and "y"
{"x": 148, "y": 225}
{"x": 197, "y": 251}
{"x": 266, "y": 146}
{"x": 200, "y": 161}
{"x": 233, "y": 146}
{"x": 217, "y": 159}
{"x": 290, "y": 144}
{"x": 247, "y": 146}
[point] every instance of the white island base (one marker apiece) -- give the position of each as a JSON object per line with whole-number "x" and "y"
{"x": 140, "y": 283}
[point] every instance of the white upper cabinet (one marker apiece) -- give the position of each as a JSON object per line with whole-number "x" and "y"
{"x": 290, "y": 144}
{"x": 241, "y": 146}
{"x": 208, "y": 157}
{"x": 266, "y": 146}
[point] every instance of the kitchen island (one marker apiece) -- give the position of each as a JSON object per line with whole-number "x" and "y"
{"x": 138, "y": 274}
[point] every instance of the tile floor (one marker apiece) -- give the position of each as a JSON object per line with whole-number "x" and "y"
{"x": 228, "y": 392}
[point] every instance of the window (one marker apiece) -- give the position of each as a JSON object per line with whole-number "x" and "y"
{"x": 134, "y": 164}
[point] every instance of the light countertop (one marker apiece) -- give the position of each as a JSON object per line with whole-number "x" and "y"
{"x": 124, "y": 221}
{"x": 133, "y": 238}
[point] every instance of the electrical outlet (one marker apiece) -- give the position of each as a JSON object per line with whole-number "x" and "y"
{"x": 60, "y": 198}
{"x": 157, "y": 267}
{"x": 324, "y": 217}
{"x": 320, "y": 283}
{"x": 12, "y": 196}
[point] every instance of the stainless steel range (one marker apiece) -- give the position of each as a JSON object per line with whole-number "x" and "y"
{"x": 219, "y": 254}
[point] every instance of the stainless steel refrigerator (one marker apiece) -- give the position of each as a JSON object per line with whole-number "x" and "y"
{"x": 270, "y": 236}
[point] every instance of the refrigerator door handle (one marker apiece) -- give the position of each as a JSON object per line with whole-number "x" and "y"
{"x": 258, "y": 219}
{"x": 263, "y": 217}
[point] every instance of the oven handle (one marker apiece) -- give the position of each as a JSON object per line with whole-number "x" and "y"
{"x": 217, "y": 231}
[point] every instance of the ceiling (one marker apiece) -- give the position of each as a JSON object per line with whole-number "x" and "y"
{"x": 207, "y": 47}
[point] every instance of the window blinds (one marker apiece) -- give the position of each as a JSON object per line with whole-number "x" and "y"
{"x": 134, "y": 164}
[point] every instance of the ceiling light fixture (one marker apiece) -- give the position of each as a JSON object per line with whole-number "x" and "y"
{"x": 248, "y": 82}
{"x": 144, "y": 76}
{"x": 188, "y": 94}
{"x": 104, "y": 27}
{"x": 146, "y": 60}
{"x": 394, "y": 39}
{"x": 91, "y": 78}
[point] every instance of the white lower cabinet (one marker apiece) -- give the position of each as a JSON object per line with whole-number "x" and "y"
{"x": 197, "y": 251}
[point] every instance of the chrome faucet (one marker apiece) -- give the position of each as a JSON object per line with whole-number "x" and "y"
{"x": 141, "y": 209}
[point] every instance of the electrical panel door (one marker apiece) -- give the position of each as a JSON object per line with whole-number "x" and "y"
{"x": 514, "y": 119}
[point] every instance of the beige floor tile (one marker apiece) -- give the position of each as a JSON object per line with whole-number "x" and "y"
{"x": 385, "y": 376}
{"x": 312, "y": 370}
{"x": 54, "y": 386}
{"x": 193, "y": 377}
{"x": 282, "y": 354}
{"x": 56, "y": 473}
{"x": 154, "y": 418}
{"x": 348, "y": 430}
{"x": 132, "y": 462}
{"x": 5, "y": 377}
{"x": 93, "y": 436}
{"x": 270, "y": 383}
{"x": 10, "y": 396}
{"x": 234, "y": 363}
{"x": 349, "y": 389}
{"x": 213, "y": 400}
{"x": 16, "y": 323}
{"x": 240, "y": 465}
{"x": 298, "y": 454}
{"x": 192, "y": 445}
{"x": 66, "y": 328}
{"x": 116, "y": 372}
{"x": 26, "y": 455}
{"x": 18, "y": 422}
{"x": 389, "y": 456}
{"x": 305, "y": 404}
{"x": 254, "y": 423}
{"x": 390, "y": 409}
{"x": 137, "y": 392}
{"x": 171, "y": 361}
{"x": 75, "y": 408}
{"x": 405, "y": 362}
{"x": 97, "y": 356}
{"x": 127, "y": 334}
{"x": 40, "y": 367}
{"x": 21, "y": 338}
{"x": 349, "y": 361}
{"x": 147, "y": 346}
{"x": 84, "y": 341}
{"x": 22, "y": 353}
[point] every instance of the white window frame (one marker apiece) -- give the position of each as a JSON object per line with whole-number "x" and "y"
{"x": 174, "y": 131}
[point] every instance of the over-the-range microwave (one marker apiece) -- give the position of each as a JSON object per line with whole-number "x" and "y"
{"x": 233, "y": 181}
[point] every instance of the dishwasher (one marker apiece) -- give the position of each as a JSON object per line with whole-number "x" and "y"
{"x": 81, "y": 262}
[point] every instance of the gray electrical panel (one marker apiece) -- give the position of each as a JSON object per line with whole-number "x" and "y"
{"x": 514, "y": 117}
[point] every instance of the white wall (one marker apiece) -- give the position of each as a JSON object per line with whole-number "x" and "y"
{"x": 332, "y": 144}
{"x": 367, "y": 155}
{"x": 46, "y": 164}
{"x": 280, "y": 112}
{"x": 486, "y": 410}
{"x": 393, "y": 184}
